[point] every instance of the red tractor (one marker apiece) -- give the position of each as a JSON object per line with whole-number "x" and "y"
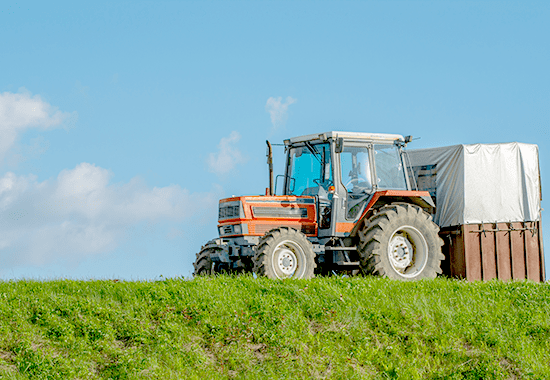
{"x": 347, "y": 207}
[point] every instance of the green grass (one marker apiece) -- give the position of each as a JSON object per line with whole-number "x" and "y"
{"x": 223, "y": 327}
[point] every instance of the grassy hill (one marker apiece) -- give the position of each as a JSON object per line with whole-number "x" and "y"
{"x": 223, "y": 327}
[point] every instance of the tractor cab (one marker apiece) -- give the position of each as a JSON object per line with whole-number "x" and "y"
{"x": 343, "y": 170}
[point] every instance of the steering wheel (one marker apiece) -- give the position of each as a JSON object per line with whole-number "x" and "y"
{"x": 359, "y": 184}
{"x": 352, "y": 181}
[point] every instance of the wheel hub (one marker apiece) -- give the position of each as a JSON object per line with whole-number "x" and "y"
{"x": 401, "y": 252}
{"x": 286, "y": 261}
{"x": 408, "y": 251}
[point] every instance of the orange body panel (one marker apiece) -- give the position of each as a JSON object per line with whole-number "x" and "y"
{"x": 263, "y": 213}
{"x": 344, "y": 227}
{"x": 258, "y": 214}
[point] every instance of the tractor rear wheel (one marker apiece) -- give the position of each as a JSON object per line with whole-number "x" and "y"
{"x": 284, "y": 253}
{"x": 401, "y": 242}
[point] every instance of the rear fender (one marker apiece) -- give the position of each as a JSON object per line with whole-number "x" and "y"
{"x": 382, "y": 198}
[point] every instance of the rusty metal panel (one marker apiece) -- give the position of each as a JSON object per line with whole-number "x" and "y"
{"x": 518, "y": 252}
{"x": 504, "y": 260}
{"x": 472, "y": 253}
{"x": 532, "y": 257}
{"x": 488, "y": 254}
{"x": 494, "y": 250}
{"x": 541, "y": 253}
{"x": 458, "y": 261}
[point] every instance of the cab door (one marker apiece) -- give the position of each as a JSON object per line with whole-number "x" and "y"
{"x": 310, "y": 172}
{"x": 354, "y": 168}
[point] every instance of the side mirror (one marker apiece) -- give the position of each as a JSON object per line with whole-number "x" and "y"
{"x": 279, "y": 177}
{"x": 291, "y": 185}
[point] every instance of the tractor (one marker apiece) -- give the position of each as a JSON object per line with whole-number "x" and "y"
{"x": 348, "y": 206}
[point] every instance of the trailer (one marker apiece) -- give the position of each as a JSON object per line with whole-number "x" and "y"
{"x": 487, "y": 199}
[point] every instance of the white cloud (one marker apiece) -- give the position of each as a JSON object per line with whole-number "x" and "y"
{"x": 20, "y": 111}
{"x": 227, "y": 157}
{"x": 278, "y": 110}
{"x": 80, "y": 213}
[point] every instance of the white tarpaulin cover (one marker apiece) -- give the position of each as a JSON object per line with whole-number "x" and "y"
{"x": 480, "y": 183}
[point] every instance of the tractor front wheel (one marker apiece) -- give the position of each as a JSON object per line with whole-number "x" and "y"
{"x": 401, "y": 242}
{"x": 204, "y": 265}
{"x": 284, "y": 253}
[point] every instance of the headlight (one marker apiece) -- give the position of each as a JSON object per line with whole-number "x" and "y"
{"x": 221, "y": 230}
{"x": 237, "y": 229}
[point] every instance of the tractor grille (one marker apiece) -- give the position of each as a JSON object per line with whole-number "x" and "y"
{"x": 229, "y": 210}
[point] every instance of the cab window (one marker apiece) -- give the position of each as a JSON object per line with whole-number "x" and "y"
{"x": 310, "y": 170}
{"x": 389, "y": 167}
{"x": 356, "y": 169}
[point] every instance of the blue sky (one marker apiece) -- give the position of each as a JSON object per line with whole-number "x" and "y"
{"x": 134, "y": 118}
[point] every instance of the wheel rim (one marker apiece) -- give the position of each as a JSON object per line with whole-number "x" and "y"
{"x": 408, "y": 251}
{"x": 288, "y": 260}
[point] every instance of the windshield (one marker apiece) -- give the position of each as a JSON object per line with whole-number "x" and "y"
{"x": 389, "y": 167}
{"x": 310, "y": 169}
{"x": 356, "y": 169}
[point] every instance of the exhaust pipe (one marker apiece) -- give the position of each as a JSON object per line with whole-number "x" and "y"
{"x": 270, "y": 164}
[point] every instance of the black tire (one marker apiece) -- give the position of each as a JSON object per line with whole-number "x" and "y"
{"x": 401, "y": 242}
{"x": 284, "y": 253}
{"x": 204, "y": 266}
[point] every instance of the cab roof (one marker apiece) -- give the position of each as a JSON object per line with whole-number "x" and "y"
{"x": 357, "y": 136}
